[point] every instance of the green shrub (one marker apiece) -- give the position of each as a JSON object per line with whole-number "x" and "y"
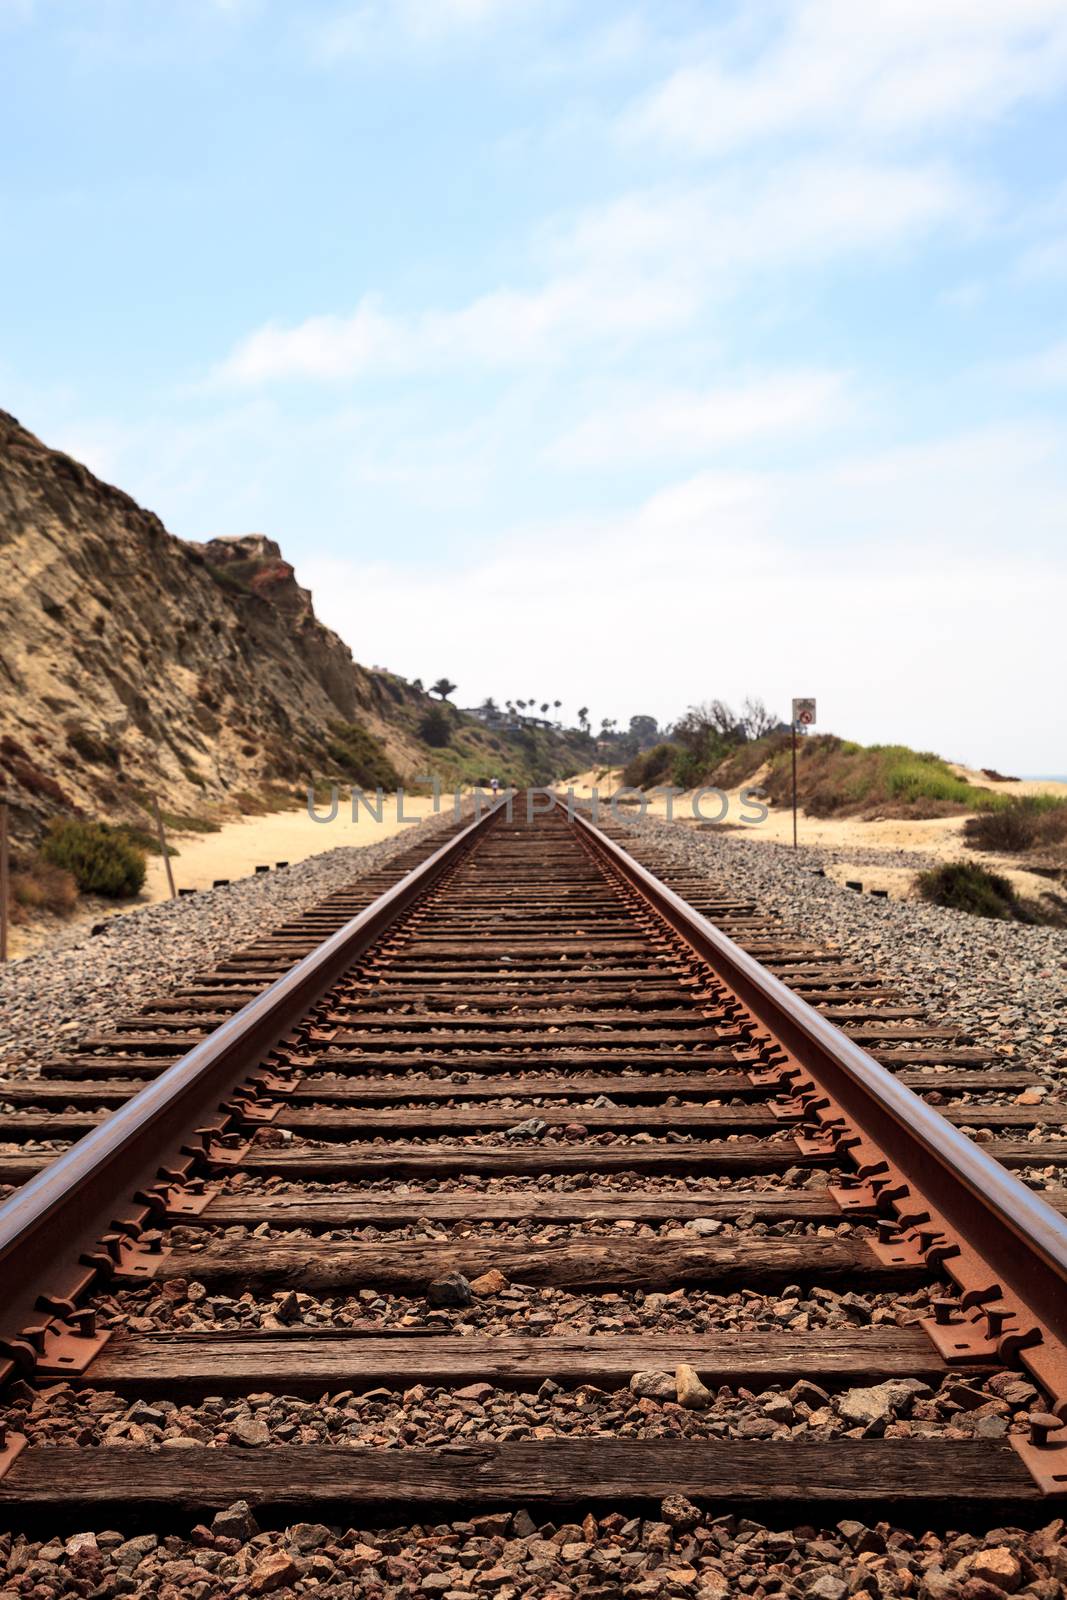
{"x": 962, "y": 886}
{"x": 650, "y": 767}
{"x": 101, "y": 859}
{"x": 911, "y": 776}
{"x": 360, "y": 757}
{"x": 688, "y": 769}
{"x": 836, "y": 777}
{"x": 436, "y": 728}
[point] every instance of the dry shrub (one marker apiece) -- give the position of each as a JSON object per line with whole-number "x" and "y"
{"x": 40, "y": 886}
{"x": 1028, "y": 822}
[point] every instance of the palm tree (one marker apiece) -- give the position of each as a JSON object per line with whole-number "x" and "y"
{"x": 443, "y": 687}
{"x": 583, "y": 718}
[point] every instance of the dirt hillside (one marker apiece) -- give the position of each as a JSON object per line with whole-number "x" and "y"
{"x": 134, "y": 663}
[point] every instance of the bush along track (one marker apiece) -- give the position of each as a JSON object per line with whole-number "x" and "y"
{"x": 101, "y": 860}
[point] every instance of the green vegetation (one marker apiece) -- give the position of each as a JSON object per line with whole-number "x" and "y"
{"x": 708, "y": 737}
{"x": 360, "y": 758}
{"x": 1025, "y": 822}
{"x": 99, "y": 858}
{"x": 962, "y": 886}
{"x": 436, "y": 728}
{"x": 836, "y": 777}
{"x": 184, "y": 822}
{"x": 143, "y": 839}
{"x": 651, "y": 767}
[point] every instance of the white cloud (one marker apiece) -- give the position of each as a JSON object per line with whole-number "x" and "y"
{"x": 859, "y": 583}
{"x": 628, "y": 427}
{"x": 862, "y": 71}
{"x": 642, "y": 264}
{"x": 791, "y": 212}
{"x": 505, "y": 328}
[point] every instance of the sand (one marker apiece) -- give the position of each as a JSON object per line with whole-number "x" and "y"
{"x": 240, "y": 847}
{"x": 234, "y": 852}
{"x": 936, "y": 838}
{"x": 1012, "y": 785}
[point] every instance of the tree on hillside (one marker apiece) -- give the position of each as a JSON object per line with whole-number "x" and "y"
{"x": 583, "y": 718}
{"x": 555, "y": 706}
{"x": 443, "y": 687}
{"x": 544, "y": 708}
{"x": 645, "y": 729}
{"x": 435, "y": 727}
{"x": 723, "y": 720}
{"x": 489, "y": 707}
{"x": 416, "y": 683}
{"x": 711, "y": 726}
{"x": 756, "y": 719}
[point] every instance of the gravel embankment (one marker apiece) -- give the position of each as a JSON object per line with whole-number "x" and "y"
{"x": 84, "y": 981}
{"x": 681, "y": 1552}
{"x": 1002, "y": 983}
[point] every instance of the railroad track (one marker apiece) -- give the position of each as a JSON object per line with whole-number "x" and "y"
{"x": 621, "y": 1161}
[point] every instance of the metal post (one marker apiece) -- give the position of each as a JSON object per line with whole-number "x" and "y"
{"x": 4, "y": 880}
{"x": 163, "y": 847}
{"x": 794, "y": 786}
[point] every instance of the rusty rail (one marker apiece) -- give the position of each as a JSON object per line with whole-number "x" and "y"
{"x": 85, "y": 1212}
{"x": 942, "y": 1198}
{"x": 943, "y": 1202}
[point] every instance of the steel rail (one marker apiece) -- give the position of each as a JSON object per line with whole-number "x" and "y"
{"x": 1001, "y": 1243}
{"x": 50, "y": 1224}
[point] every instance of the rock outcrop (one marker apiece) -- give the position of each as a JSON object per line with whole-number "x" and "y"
{"x": 135, "y": 663}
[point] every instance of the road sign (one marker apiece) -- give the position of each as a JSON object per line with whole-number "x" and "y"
{"x": 803, "y": 717}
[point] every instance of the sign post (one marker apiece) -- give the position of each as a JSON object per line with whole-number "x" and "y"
{"x": 163, "y": 846}
{"x": 803, "y": 717}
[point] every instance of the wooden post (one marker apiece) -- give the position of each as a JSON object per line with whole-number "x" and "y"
{"x": 163, "y": 847}
{"x": 4, "y": 880}
{"x": 794, "y": 785}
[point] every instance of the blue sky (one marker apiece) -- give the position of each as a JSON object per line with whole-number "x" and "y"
{"x": 625, "y": 353}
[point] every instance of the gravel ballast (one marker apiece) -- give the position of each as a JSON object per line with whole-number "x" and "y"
{"x": 84, "y": 981}
{"x": 684, "y": 1550}
{"x": 1003, "y": 983}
